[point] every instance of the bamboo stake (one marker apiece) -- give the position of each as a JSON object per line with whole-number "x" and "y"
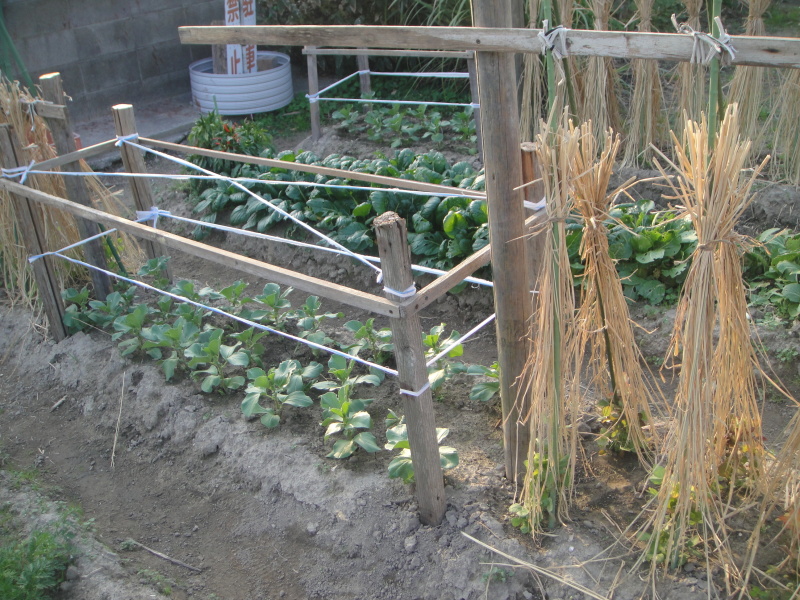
{"x": 713, "y": 85}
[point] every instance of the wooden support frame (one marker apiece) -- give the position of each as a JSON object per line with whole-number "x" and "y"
{"x": 362, "y": 56}
{"x": 132, "y": 159}
{"x": 750, "y": 50}
{"x": 33, "y": 234}
{"x": 61, "y": 130}
{"x": 256, "y": 268}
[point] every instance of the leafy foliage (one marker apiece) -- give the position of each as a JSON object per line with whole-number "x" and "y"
{"x": 773, "y": 268}
{"x": 284, "y": 385}
{"x": 397, "y": 439}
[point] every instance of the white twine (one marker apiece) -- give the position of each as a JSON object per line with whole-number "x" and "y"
{"x": 418, "y": 393}
{"x": 218, "y": 311}
{"x": 462, "y": 339}
{"x": 131, "y": 137}
{"x": 553, "y": 40}
{"x": 252, "y": 194}
{"x": 412, "y": 290}
{"x": 711, "y": 47}
{"x": 21, "y": 172}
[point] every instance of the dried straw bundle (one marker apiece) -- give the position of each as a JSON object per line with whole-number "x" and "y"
{"x": 691, "y": 78}
{"x": 553, "y": 415}
{"x": 32, "y": 135}
{"x": 716, "y": 438}
{"x": 534, "y": 96}
{"x": 599, "y": 105}
{"x": 645, "y": 123}
{"x": 747, "y": 88}
{"x": 603, "y": 323}
{"x": 786, "y": 132}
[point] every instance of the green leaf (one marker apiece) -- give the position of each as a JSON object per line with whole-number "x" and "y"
{"x": 169, "y": 366}
{"x": 791, "y": 292}
{"x": 361, "y": 420}
{"x": 343, "y": 449}
{"x": 271, "y": 420}
{"x": 251, "y": 407}
{"x": 210, "y": 383}
{"x": 367, "y": 441}
{"x": 402, "y": 467}
{"x": 448, "y": 457}
{"x": 484, "y": 391}
{"x": 299, "y": 399}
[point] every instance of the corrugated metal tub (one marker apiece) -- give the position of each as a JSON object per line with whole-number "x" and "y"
{"x": 243, "y": 94}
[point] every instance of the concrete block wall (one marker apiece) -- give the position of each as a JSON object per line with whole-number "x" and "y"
{"x": 109, "y": 51}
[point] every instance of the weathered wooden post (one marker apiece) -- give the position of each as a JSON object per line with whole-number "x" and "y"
{"x": 390, "y": 231}
{"x": 313, "y": 88}
{"x": 33, "y": 236}
{"x": 132, "y": 159}
{"x": 497, "y": 88}
{"x": 61, "y": 130}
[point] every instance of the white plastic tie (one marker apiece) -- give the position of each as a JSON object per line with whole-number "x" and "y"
{"x": 151, "y": 215}
{"x": 404, "y": 294}
{"x": 535, "y": 205}
{"x": 131, "y": 137}
{"x": 711, "y": 47}
{"x": 553, "y": 40}
{"x": 418, "y": 393}
{"x": 21, "y": 172}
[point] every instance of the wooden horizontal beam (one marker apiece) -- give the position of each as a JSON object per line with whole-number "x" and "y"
{"x": 253, "y": 267}
{"x": 441, "y": 285}
{"x": 407, "y": 184}
{"x": 376, "y": 52}
{"x": 750, "y": 50}
{"x": 81, "y": 154}
{"x": 48, "y": 110}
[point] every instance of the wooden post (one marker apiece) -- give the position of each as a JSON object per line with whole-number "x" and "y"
{"x": 313, "y": 88}
{"x": 61, "y": 130}
{"x": 390, "y": 231}
{"x": 132, "y": 159}
{"x": 497, "y": 88}
{"x": 475, "y": 97}
{"x": 33, "y": 237}
{"x": 364, "y": 81}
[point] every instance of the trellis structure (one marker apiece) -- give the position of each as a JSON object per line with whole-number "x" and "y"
{"x": 495, "y": 44}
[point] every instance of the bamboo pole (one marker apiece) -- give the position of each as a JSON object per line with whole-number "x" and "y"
{"x": 61, "y": 129}
{"x": 34, "y": 237}
{"x": 390, "y": 231}
{"x": 497, "y": 87}
{"x": 132, "y": 159}
{"x": 713, "y": 83}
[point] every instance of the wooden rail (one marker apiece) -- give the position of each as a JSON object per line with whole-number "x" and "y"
{"x": 755, "y": 51}
{"x": 253, "y": 267}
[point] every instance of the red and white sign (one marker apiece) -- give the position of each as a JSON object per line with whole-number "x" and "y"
{"x": 241, "y": 59}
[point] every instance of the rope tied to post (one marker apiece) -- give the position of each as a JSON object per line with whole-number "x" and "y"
{"x": 553, "y": 40}
{"x": 21, "y": 172}
{"x": 418, "y": 393}
{"x": 131, "y": 137}
{"x": 711, "y": 47}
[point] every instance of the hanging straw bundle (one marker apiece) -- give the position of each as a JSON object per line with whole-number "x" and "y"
{"x": 747, "y": 88}
{"x": 32, "y": 136}
{"x": 533, "y": 93}
{"x": 787, "y": 129}
{"x": 603, "y": 322}
{"x": 645, "y": 124}
{"x": 691, "y": 78}
{"x": 553, "y": 414}
{"x": 715, "y": 445}
{"x": 599, "y": 104}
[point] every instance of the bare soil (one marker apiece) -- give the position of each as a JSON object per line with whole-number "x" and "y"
{"x": 263, "y": 514}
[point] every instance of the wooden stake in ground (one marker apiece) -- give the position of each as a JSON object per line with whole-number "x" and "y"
{"x": 497, "y": 86}
{"x": 390, "y": 231}
{"x": 715, "y": 446}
